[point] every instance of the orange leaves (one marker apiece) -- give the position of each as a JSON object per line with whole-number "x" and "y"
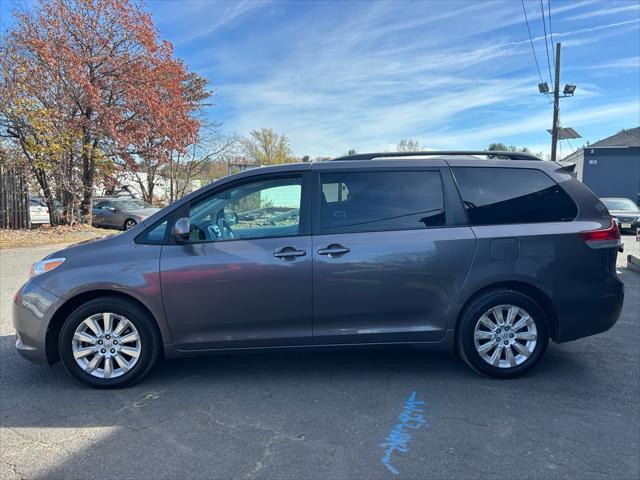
{"x": 111, "y": 89}
{"x": 101, "y": 62}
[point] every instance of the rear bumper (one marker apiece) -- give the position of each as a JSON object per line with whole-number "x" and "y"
{"x": 33, "y": 308}
{"x": 587, "y": 310}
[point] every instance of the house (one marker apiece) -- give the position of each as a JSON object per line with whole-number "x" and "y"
{"x": 611, "y": 167}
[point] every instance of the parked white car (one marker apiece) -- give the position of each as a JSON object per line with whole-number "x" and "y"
{"x": 38, "y": 211}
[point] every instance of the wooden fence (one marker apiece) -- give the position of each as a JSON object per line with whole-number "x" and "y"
{"x": 14, "y": 199}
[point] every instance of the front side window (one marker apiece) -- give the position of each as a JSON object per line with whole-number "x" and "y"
{"x": 372, "y": 201}
{"x": 498, "y": 196}
{"x": 261, "y": 209}
{"x": 103, "y": 205}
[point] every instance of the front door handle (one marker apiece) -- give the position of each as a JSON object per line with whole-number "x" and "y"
{"x": 334, "y": 250}
{"x": 289, "y": 253}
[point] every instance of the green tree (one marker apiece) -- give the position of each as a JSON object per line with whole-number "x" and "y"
{"x": 266, "y": 147}
{"x": 409, "y": 145}
{"x": 502, "y": 147}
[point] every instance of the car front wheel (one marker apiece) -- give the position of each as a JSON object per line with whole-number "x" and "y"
{"x": 129, "y": 223}
{"x": 503, "y": 333}
{"x": 109, "y": 342}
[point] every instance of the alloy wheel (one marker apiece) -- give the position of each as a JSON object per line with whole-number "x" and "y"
{"x": 106, "y": 345}
{"x": 505, "y": 336}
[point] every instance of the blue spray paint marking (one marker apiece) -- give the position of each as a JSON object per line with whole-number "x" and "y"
{"x": 411, "y": 418}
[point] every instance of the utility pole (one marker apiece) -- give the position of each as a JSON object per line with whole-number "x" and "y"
{"x": 556, "y": 106}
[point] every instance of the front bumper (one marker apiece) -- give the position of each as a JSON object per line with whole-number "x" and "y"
{"x": 33, "y": 308}
{"x": 628, "y": 223}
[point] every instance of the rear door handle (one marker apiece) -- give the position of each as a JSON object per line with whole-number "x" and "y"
{"x": 334, "y": 250}
{"x": 288, "y": 253}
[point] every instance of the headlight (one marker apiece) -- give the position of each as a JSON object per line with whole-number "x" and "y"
{"x": 45, "y": 266}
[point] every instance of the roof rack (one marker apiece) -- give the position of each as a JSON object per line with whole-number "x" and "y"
{"x": 436, "y": 153}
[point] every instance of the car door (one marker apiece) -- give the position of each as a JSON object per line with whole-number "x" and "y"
{"x": 391, "y": 252}
{"x": 243, "y": 278}
{"x": 112, "y": 217}
{"x": 98, "y": 213}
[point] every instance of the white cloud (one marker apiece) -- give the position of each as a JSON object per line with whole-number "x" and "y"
{"x": 604, "y": 11}
{"x": 367, "y": 74}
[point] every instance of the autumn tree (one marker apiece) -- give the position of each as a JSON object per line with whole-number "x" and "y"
{"x": 155, "y": 157}
{"x": 266, "y": 147}
{"x": 183, "y": 168}
{"x": 99, "y": 70}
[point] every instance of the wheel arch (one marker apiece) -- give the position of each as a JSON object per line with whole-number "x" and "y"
{"x": 59, "y": 317}
{"x": 533, "y": 292}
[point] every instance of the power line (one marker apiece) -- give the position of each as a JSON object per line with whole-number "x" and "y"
{"x": 571, "y": 146}
{"x": 533, "y": 49}
{"x": 546, "y": 45}
{"x": 550, "y": 32}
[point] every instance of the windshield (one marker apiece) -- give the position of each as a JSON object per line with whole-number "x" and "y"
{"x": 620, "y": 204}
{"x": 142, "y": 203}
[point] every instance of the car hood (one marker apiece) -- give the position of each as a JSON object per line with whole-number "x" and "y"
{"x": 624, "y": 213}
{"x": 101, "y": 244}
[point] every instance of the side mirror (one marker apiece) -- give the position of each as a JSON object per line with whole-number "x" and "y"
{"x": 181, "y": 229}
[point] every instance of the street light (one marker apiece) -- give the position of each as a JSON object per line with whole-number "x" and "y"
{"x": 543, "y": 87}
{"x": 569, "y": 88}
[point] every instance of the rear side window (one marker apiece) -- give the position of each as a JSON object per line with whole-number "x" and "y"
{"x": 496, "y": 196}
{"x": 372, "y": 201}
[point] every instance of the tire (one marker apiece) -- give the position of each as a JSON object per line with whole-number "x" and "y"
{"x": 129, "y": 223}
{"x": 486, "y": 349}
{"x": 136, "y": 357}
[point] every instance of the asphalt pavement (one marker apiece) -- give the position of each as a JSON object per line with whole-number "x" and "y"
{"x": 307, "y": 415}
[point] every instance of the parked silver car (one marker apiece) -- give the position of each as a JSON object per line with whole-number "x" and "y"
{"x": 120, "y": 213}
{"x": 447, "y": 251}
{"x": 625, "y": 211}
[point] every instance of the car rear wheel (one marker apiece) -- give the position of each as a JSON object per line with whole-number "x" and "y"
{"x": 129, "y": 223}
{"x": 503, "y": 333}
{"x": 109, "y": 342}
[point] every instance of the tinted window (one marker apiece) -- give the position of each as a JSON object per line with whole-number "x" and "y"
{"x": 261, "y": 209}
{"x": 494, "y": 196}
{"x": 370, "y": 201}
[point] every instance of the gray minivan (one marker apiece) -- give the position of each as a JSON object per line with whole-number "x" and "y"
{"x": 490, "y": 258}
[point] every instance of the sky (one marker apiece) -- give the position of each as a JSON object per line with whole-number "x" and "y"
{"x": 341, "y": 75}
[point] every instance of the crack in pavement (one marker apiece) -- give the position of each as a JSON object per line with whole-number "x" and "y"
{"x": 14, "y": 468}
{"x": 277, "y": 435}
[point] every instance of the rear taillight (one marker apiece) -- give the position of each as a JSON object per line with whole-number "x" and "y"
{"x": 603, "y": 238}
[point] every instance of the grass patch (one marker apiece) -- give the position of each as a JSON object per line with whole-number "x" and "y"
{"x": 47, "y": 235}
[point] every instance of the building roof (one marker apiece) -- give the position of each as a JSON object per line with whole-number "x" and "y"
{"x": 626, "y": 138}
